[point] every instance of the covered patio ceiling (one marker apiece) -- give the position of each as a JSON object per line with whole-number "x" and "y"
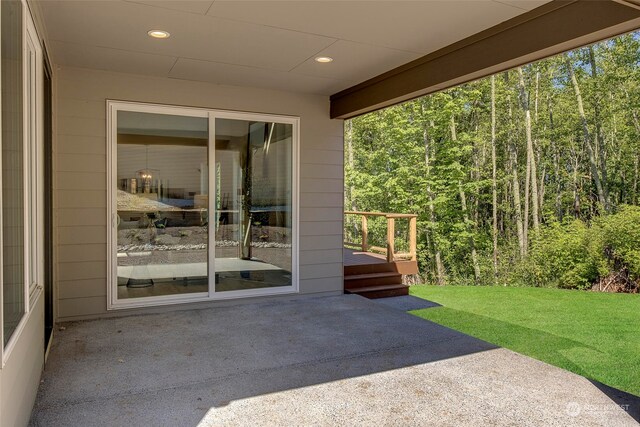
{"x": 269, "y": 44}
{"x": 383, "y": 51}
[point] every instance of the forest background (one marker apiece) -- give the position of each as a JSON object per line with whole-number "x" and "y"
{"x": 529, "y": 177}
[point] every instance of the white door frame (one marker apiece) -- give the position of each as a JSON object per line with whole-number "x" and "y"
{"x": 113, "y": 107}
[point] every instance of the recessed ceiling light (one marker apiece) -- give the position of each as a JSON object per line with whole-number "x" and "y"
{"x": 158, "y": 34}
{"x": 323, "y": 59}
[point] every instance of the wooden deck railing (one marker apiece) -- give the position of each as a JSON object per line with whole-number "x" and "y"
{"x": 390, "y": 249}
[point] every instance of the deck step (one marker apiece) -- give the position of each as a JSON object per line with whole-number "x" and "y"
{"x": 382, "y": 291}
{"x": 402, "y": 267}
{"x": 372, "y": 275}
{"x": 372, "y": 279}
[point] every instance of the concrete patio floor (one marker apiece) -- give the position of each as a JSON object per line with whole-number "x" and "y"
{"x": 340, "y": 360}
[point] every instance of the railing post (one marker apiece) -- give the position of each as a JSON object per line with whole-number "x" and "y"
{"x": 412, "y": 237}
{"x": 391, "y": 233}
{"x": 365, "y": 234}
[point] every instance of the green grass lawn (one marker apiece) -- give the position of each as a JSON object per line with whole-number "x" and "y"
{"x": 596, "y": 335}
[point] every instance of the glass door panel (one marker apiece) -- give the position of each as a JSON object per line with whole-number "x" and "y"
{"x": 162, "y": 204}
{"x": 253, "y": 201}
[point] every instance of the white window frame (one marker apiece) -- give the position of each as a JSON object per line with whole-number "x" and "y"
{"x": 2, "y": 349}
{"x": 34, "y": 167}
{"x": 33, "y": 175}
{"x": 113, "y": 303}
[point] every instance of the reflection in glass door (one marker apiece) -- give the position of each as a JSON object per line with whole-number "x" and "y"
{"x": 184, "y": 180}
{"x": 253, "y": 201}
{"x": 162, "y": 204}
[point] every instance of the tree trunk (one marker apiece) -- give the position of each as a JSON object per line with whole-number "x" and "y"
{"x": 527, "y": 186}
{"x": 634, "y": 197}
{"x": 428, "y": 158}
{"x": 532, "y": 174}
{"x": 541, "y": 190}
{"x": 576, "y": 188}
{"x": 535, "y": 109}
{"x": 556, "y": 162}
{"x": 350, "y": 162}
{"x": 634, "y": 115}
{"x": 636, "y": 125}
{"x": 595, "y": 175}
{"x": 350, "y": 190}
{"x": 475, "y": 176}
{"x": 465, "y": 215}
{"x": 517, "y": 204}
{"x": 600, "y": 150}
{"x": 494, "y": 187}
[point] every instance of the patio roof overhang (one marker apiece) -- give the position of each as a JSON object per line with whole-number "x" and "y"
{"x": 547, "y": 30}
{"x": 402, "y": 50}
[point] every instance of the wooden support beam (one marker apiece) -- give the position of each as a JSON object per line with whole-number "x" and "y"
{"x": 550, "y": 29}
{"x": 413, "y": 238}
{"x": 385, "y": 214}
{"x": 365, "y": 234}
{"x": 391, "y": 237}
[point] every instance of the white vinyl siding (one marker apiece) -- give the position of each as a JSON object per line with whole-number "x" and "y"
{"x": 80, "y": 152}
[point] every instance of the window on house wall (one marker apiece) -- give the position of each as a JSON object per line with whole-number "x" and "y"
{"x": 21, "y": 190}
{"x": 13, "y": 191}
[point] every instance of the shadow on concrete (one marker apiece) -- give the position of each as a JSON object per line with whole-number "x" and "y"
{"x": 550, "y": 347}
{"x": 176, "y": 366}
{"x": 627, "y": 401}
{"x": 407, "y": 303}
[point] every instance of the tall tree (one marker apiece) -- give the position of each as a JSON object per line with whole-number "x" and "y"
{"x": 428, "y": 158}
{"x": 595, "y": 174}
{"x": 494, "y": 185}
{"x": 532, "y": 175}
{"x": 517, "y": 203}
{"x": 465, "y": 213}
{"x": 350, "y": 163}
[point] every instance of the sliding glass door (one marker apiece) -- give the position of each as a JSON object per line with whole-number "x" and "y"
{"x": 161, "y": 202}
{"x": 184, "y": 181}
{"x": 254, "y": 178}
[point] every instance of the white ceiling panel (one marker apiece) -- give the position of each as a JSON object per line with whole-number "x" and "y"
{"x": 189, "y": 69}
{"x": 355, "y": 61}
{"x": 79, "y": 55}
{"x": 418, "y": 26}
{"x": 524, "y": 4}
{"x": 124, "y": 25}
{"x": 199, "y": 6}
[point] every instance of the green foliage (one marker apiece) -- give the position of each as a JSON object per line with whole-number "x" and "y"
{"x": 417, "y": 156}
{"x": 575, "y": 255}
{"x": 616, "y": 242}
{"x": 560, "y": 256}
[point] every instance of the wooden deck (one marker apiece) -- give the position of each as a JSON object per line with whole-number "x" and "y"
{"x": 353, "y": 257}
{"x": 378, "y": 272}
{"x": 372, "y": 276}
